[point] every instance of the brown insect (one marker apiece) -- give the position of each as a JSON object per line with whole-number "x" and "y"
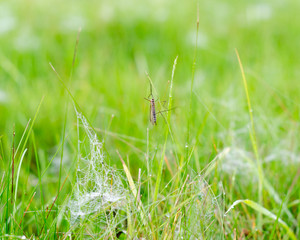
{"x": 153, "y": 112}
{"x": 152, "y": 107}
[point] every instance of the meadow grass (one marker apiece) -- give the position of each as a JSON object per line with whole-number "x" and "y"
{"x": 79, "y": 158}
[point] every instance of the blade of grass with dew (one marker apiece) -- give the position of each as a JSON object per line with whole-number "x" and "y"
{"x": 17, "y": 180}
{"x": 276, "y": 221}
{"x": 133, "y": 188}
{"x": 23, "y": 135}
{"x": 66, "y": 109}
{"x": 253, "y": 140}
{"x": 39, "y": 177}
{"x": 192, "y": 86}
{"x": 159, "y": 172}
{"x": 12, "y": 179}
{"x": 257, "y": 207}
{"x": 269, "y": 188}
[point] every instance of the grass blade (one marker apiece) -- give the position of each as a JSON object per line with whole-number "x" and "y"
{"x": 257, "y": 207}
{"x": 253, "y": 139}
{"x": 133, "y": 189}
{"x": 159, "y": 173}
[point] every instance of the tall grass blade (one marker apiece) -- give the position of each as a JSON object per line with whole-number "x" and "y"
{"x": 192, "y": 86}
{"x": 167, "y": 130}
{"x": 17, "y": 180}
{"x": 276, "y": 222}
{"x": 253, "y": 140}
{"x": 133, "y": 190}
{"x": 259, "y": 208}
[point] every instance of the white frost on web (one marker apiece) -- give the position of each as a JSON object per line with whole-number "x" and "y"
{"x": 238, "y": 161}
{"x": 203, "y": 214}
{"x": 97, "y": 185}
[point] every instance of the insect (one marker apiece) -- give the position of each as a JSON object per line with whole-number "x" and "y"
{"x": 152, "y": 105}
{"x": 153, "y": 112}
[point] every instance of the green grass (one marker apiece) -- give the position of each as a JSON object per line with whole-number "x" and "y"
{"x": 224, "y": 164}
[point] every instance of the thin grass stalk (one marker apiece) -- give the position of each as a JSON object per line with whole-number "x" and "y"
{"x": 254, "y": 142}
{"x": 13, "y": 166}
{"x": 167, "y": 129}
{"x": 7, "y": 200}
{"x": 191, "y": 91}
{"x": 23, "y": 135}
{"x": 148, "y": 166}
{"x": 56, "y": 197}
{"x": 27, "y": 208}
{"x": 66, "y": 109}
{"x": 39, "y": 178}
{"x": 17, "y": 179}
{"x": 31, "y": 126}
{"x": 12, "y": 178}
{"x": 276, "y": 221}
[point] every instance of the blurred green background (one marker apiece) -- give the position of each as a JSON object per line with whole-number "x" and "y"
{"x": 119, "y": 41}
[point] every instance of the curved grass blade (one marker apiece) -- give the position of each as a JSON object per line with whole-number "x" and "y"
{"x": 257, "y": 207}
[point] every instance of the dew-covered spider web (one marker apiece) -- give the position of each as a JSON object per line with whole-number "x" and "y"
{"x": 203, "y": 213}
{"x": 97, "y": 185}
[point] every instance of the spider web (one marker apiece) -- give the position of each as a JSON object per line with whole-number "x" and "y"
{"x": 97, "y": 185}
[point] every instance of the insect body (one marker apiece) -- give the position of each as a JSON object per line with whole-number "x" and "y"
{"x": 152, "y": 105}
{"x": 152, "y": 112}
